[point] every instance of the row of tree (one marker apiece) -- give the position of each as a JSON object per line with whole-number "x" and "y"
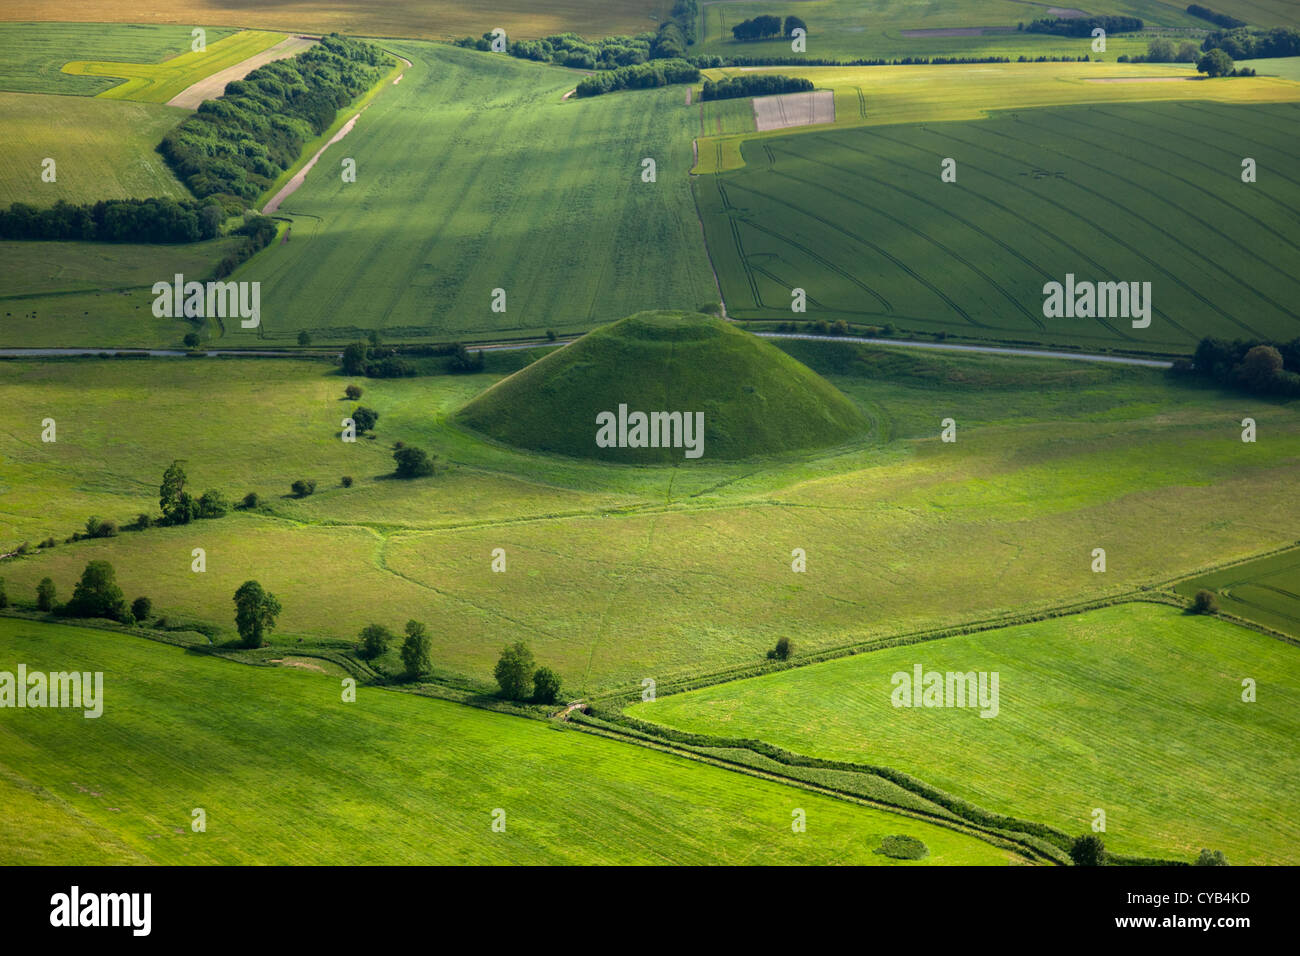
{"x": 1254, "y": 44}
{"x": 1083, "y": 26}
{"x": 1219, "y": 19}
{"x": 520, "y": 679}
{"x": 95, "y": 595}
{"x": 767, "y": 26}
{"x": 754, "y": 84}
{"x": 239, "y": 143}
{"x": 645, "y": 76}
{"x": 115, "y": 220}
{"x": 1261, "y": 368}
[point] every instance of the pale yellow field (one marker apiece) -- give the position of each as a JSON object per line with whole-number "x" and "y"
{"x": 159, "y": 82}
{"x": 885, "y": 95}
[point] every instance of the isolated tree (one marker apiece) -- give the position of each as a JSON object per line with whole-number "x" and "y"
{"x": 97, "y": 594}
{"x": 1211, "y": 858}
{"x": 1215, "y": 63}
{"x": 782, "y": 650}
{"x": 374, "y": 641}
{"x": 304, "y": 337}
{"x": 255, "y": 612}
{"x": 546, "y": 686}
{"x": 251, "y": 500}
{"x": 177, "y": 506}
{"x": 192, "y": 340}
{"x": 417, "y": 650}
{"x": 414, "y": 462}
{"x": 141, "y": 608}
{"x": 1205, "y": 602}
{"x": 303, "y": 487}
{"x": 353, "y": 392}
{"x": 346, "y": 481}
{"x": 514, "y": 671}
{"x": 365, "y": 419}
{"x": 1088, "y": 850}
{"x": 45, "y": 595}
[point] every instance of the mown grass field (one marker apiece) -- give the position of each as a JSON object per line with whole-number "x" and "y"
{"x": 508, "y": 194}
{"x": 616, "y": 573}
{"x": 146, "y": 82}
{"x": 891, "y": 95}
{"x": 390, "y": 778}
{"x": 1134, "y": 709}
{"x": 424, "y": 19}
{"x": 38, "y": 269}
{"x": 101, "y": 149}
{"x": 1266, "y": 591}
{"x": 32, "y": 55}
{"x": 861, "y": 221}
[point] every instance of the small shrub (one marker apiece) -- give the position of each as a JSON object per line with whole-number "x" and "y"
{"x": 304, "y": 337}
{"x": 303, "y": 487}
{"x": 143, "y": 520}
{"x": 374, "y": 641}
{"x": 141, "y": 609}
{"x": 346, "y": 481}
{"x": 353, "y": 392}
{"x": 1211, "y": 858}
{"x": 48, "y": 542}
{"x": 45, "y": 595}
{"x": 414, "y": 462}
{"x": 4, "y": 595}
{"x": 212, "y": 504}
{"x": 365, "y": 419}
{"x": 251, "y": 500}
{"x": 192, "y": 340}
{"x": 1088, "y": 850}
{"x": 903, "y": 848}
{"x": 782, "y": 650}
{"x": 1205, "y": 602}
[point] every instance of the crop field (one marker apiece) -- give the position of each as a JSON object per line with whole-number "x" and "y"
{"x": 885, "y": 29}
{"x": 125, "y": 782}
{"x": 1266, "y": 591}
{"x": 1053, "y": 460}
{"x": 101, "y": 149}
{"x": 891, "y": 95}
{"x": 159, "y": 82}
{"x": 32, "y": 55}
{"x": 1134, "y": 709}
{"x": 421, "y": 19}
{"x": 517, "y": 190}
{"x": 860, "y": 221}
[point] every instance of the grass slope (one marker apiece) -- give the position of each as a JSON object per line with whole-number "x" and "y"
{"x": 860, "y": 220}
{"x": 390, "y": 778}
{"x": 1135, "y": 709}
{"x": 1266, "y": 591}
{"x": 32, "y": 55}
{"x": 756, "y": 400}
{"x": 101, "y": 149}
{"x": 159, "y": 82}
{"x": 508, "y": 193}
{"x": 690, "y": 567}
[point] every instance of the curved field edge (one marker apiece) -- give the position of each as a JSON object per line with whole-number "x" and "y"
{"x": 1134, "y": 709}
{"x": 387, "y": 778}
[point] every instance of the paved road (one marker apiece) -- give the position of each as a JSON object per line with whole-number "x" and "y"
{"x": 894, "y": 343}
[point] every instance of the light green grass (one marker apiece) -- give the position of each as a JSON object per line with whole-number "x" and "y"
{"x": 861, "y": 221}
{"x": 507, "y": 194}
{"x": 287, "y": 773}
{"x": 1266, "y": 591}
{"x": 1135, "y": 709}
{"x": 616, "y": 573}
{"x": 32, "y": 55}
{"x": 101, "y": 149}
{"x": 755, "y": 400}
{"x": 159, "y": 82}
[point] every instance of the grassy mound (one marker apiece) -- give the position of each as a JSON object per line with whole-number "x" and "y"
{"x": 903, "y": 848}
{"x": 756, "y": 400}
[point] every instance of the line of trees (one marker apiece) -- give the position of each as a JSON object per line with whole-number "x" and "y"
{"x": 1083, "y": 26}
{"x": 717, "y": 62}
{"x": 1261, "y": 368}
{"x": 644, "y": 76}
{"x": 96, "y": 594}
{"x": 758, "y": 28}
{"x": 238, "y": 144}
{"x": 758, "y": 84}
{"x": 115, "y": 220}
{"x": 1254, "y": 44}
{"x": 1219, "y": 19}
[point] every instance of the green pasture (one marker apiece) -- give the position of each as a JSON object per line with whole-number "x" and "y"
{"x": 1136, "y": 710}
{"x": 388, "y": 778}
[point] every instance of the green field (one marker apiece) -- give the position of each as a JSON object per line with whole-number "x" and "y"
{"x": 612, "y": 568}
{"x": 507, "y": 195}
{"x": 1266, "y": 591}
{"x": 287, "y": 773}
{"x": 860, "y": 220}
{"x": 146, "y": 82}
{"x": 1135, "y": 709}
{"x": 32, "y": 55}
{"x": 38, "y": 269}
{"x": 101, "y": 149}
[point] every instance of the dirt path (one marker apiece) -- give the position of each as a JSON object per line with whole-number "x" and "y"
{"x": 299, "y": 177}
{"x": 576, "y": 705}
{"x": 211, "y": 87}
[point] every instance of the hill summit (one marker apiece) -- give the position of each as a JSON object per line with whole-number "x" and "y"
{"x": 638, "y": 390}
